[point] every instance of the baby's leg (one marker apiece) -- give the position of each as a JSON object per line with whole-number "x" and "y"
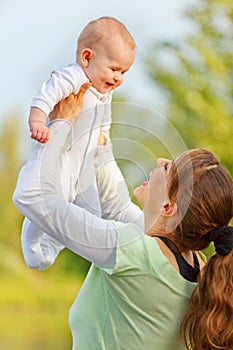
{"x": 39, "y": 249}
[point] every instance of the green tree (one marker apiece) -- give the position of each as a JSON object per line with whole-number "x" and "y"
{"x": 10, "y": 218}
{"x": 196, "y": 75}
{"x": 9, "y": 166}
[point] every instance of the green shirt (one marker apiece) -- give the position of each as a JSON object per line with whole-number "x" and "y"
{"x": 137, "y": 305}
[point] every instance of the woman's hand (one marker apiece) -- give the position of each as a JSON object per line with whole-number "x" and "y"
{"x": 70, "y": 107}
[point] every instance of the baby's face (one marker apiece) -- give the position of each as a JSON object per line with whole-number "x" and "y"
{"x": 106, "y": 68}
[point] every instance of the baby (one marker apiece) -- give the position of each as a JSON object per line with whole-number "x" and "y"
{"x": 105, "y": 52}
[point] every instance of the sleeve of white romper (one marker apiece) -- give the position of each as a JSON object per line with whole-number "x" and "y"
{"x": 115, "y": 200}
{"x": 61, "y": 84}
{"x": 38, "y": 196}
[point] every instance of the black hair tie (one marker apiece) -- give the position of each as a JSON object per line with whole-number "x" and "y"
{"x": 222, "y": 238}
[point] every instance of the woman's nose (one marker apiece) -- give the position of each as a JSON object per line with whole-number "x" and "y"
{"x": 162, "y": 161}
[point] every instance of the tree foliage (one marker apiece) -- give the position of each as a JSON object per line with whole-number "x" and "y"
{"x": 196, "y": 76}
{"x": 9, "y": 166}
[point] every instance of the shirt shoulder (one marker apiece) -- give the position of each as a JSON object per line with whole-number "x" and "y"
{"x": 139, "y": 254}
{"x": 132, "y": 254}
{"x": 73, "y": 74}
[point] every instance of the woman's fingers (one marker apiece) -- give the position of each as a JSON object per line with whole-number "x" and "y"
{"x": 84, "y": 88}
{"x": 70, "y": 106}
{"x": 80, "y": 95}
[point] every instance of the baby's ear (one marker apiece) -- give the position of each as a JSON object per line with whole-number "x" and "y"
{"x": 86, "y": 55}
{"x": 169, "y": 209}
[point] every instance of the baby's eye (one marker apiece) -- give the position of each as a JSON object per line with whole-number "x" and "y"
{"x": 165, "y": 166}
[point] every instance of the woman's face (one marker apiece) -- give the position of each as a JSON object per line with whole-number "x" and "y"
{"x": 152, "y": 194}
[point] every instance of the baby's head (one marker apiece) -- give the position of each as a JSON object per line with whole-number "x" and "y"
{"x": 106, "y": 51}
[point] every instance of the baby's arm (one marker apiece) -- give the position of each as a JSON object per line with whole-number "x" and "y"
{"x": 37, "y": 125}
{"x": 61, "y": 84}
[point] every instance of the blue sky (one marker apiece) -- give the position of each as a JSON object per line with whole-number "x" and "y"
{"x": 38, "y": 36}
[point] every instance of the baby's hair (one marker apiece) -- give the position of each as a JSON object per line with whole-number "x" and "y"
{"x": 101, "y": 30}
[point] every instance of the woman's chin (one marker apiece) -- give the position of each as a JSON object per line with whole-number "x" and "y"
{"x": 140, "y": 193}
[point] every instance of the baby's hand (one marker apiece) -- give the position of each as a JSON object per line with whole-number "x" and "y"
{"x": 39, "y": 132}
{"x": 103, "y": 137}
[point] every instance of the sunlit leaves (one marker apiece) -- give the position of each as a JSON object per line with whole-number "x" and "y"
{"x": 198, "y": 79}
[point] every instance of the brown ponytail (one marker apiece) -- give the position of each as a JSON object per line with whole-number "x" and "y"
{"x": 208, "y": 323}
{"x": 203, "y": 191}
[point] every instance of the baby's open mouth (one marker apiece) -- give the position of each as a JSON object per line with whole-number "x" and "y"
{"x": 109, "y": 84}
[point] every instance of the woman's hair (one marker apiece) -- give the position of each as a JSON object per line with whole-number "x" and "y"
{"x": 208, "y": 322}
{"x": 203, "y": 191}
{"x": 99, "y": 31}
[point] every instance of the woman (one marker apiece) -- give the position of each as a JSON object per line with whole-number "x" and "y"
{"x": 138, "y": 288}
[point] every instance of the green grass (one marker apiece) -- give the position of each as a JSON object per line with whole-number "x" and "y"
{"x": 34, "y": 310}
{"x": 34, "y": 305}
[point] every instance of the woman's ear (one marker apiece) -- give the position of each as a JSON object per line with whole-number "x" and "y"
{"x": 169, "y": 209}
{"x": 86, "y": 55}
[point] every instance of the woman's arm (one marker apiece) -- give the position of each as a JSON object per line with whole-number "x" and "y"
{"x": 39, "y": 197}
